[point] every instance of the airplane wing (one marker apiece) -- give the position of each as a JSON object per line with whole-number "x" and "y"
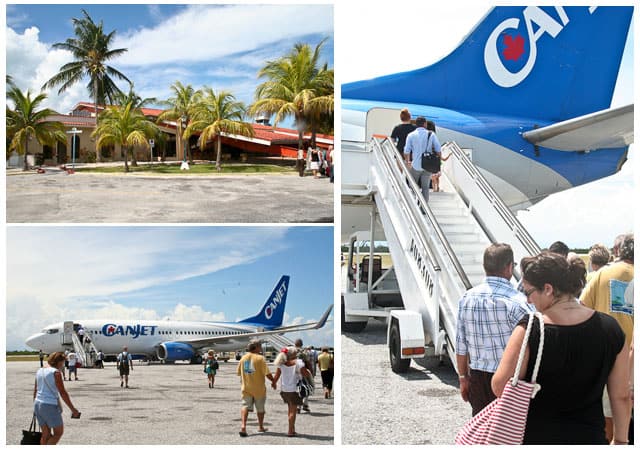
{"x": 213, "y": 340}
{"x": 610, "y": 128}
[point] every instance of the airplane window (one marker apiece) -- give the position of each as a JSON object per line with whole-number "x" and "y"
{"x": 52, "y": 331}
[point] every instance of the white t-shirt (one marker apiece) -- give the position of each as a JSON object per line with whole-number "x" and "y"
{"x": 290, "y": 376}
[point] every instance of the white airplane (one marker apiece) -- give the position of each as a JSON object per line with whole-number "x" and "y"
{"x": 176, "y": 340}
{"x": 529, "y": 90}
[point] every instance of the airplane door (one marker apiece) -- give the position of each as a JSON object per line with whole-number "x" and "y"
{"x": 67, "y": 333}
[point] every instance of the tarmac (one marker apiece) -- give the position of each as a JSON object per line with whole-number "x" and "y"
{"x": 165, "y": 404}
{"x": 56, "y": 197}
{"x": 380, "y": 407}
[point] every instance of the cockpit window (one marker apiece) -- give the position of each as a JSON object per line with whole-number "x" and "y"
{"x": 51, "y": 331}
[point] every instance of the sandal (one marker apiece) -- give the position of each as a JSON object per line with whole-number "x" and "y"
{"x": 243, "y": 433}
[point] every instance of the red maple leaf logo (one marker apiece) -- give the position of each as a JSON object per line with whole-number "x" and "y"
{"x": 111, "y": 329}
{"x": 514, "y": 48}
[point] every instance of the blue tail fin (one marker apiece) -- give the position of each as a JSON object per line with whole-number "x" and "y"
{"x": 552, "y": 63}
{"x": 272, "y": 313}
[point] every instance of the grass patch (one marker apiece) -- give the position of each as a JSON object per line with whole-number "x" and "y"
{"x": 194, "y": 169}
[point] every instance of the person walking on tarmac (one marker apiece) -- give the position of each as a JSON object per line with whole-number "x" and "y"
{"x": 125, "y": 364}
{"x": 304, "y": 356}
{"x": 211, "y": 368}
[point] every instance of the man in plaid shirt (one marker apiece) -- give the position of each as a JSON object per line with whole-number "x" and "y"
{"x": 487, "y": 314}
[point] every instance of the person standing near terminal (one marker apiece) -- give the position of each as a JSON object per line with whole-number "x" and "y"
{"x": 487, "y": 315}
{"x": 402, "y": 130}
{"x": 253, "y": 369}
{"x": 125, "y": 364}
{"x": 46, "y": 405}
{"x": 418, "y": 142}
{"x": 300, "y": 162}
{"x": 41, "y": 356}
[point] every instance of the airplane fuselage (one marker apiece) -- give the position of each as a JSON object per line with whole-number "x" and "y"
{"x": 143, "y": 337}
{"x": 522, "y": 173}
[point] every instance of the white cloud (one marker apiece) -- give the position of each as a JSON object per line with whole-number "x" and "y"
{"x": 205, "y": 32}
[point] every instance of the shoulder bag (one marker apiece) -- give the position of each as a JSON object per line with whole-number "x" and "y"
{"x": 503, "y": 421}
{"x": 31, "y": 436}
{"x": 430, "y": 159}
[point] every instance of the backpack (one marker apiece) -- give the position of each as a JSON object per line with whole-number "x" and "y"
{"x": 215, "y": 365}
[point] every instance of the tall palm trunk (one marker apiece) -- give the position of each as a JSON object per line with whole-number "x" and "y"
{"x": 126, "y": 159}
{"x": 95, "y": 104}
{"x": 26, "y": 152}
{"x": 218, "y": 153}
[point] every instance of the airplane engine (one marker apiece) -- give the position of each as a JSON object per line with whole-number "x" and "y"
{"x": 173, "y": 351}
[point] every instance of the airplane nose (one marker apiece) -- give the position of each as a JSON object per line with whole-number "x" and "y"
{"x": 35, "y": 341}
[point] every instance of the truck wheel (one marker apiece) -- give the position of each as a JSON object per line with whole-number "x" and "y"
{"x": 398, "y": 365}
{"x": 350, "y": 327}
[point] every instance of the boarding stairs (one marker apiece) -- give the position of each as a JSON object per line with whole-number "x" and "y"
{"x": 436, "y": 247}
{"x": 87, "y": 352}
{"x": 278, "y": 341}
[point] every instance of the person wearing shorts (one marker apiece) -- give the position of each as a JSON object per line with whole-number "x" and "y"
{"x": 290, "y": 369}
{"x": 125, "y": 364}
{"x": 253, "y": 369}
{"x": 46, "y": 406}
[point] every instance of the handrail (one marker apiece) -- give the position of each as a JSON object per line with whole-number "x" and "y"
{"x": 395, "y": 164}
{"x": 500, "y": 206}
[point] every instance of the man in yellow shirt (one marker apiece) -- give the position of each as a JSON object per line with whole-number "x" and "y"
{"x": 607, "y": 292}
{"x": 325, "y": 363}
{"x": 253, "y": 369}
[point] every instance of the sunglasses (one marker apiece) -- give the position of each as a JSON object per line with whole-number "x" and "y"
{"x": 530, "y": 291}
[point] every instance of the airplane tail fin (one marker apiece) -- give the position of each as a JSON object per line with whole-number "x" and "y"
{"x": 271, "y": 314}
{"x": 552, "y": 63}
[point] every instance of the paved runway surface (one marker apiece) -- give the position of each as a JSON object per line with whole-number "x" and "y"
{"x": 422, "y": 406}
{"x": 166, "y": 404}
{"x": 104, "y": 198}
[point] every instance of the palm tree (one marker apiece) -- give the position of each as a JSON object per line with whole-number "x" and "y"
{"x": 26, "y": 122}
{"x": 180, "y": 105}
{"x": 90, "y": 49}
{"x": 126, "y": 126}
{"x": 293, "y": 83}
{"x": 216, "y": 114}
{"x": 136, "y": 102}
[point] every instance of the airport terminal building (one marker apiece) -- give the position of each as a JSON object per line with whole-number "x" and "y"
{"x": 80, "y": 123}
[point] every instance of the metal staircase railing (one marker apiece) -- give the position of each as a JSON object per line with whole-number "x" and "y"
{"x": 279, "y": 341}
{"x": 87, "y": 352}
{"x": 496, "y": 219}
{"x": 409, "y": 221}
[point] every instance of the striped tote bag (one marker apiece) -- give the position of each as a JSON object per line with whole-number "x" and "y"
{"x": 502, "y": 422}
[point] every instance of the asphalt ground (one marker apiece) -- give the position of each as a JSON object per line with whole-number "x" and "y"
{"x": 422, "y": 406}
{"x": 165, "y": 404}
{"x": 55, "y": 197}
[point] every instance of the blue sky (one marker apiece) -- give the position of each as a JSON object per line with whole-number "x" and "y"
{"x": 364, "y": 52}
{"x": 184, "y": 273}
{"x": 221, "y": 46}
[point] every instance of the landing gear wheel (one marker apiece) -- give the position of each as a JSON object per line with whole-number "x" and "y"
{"x": 350, "y": 327}
{"x": 398, "y": 365}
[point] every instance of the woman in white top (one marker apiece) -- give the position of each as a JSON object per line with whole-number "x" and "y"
{"x": 46, "y": 406}
{"x": 290, "y": 369}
